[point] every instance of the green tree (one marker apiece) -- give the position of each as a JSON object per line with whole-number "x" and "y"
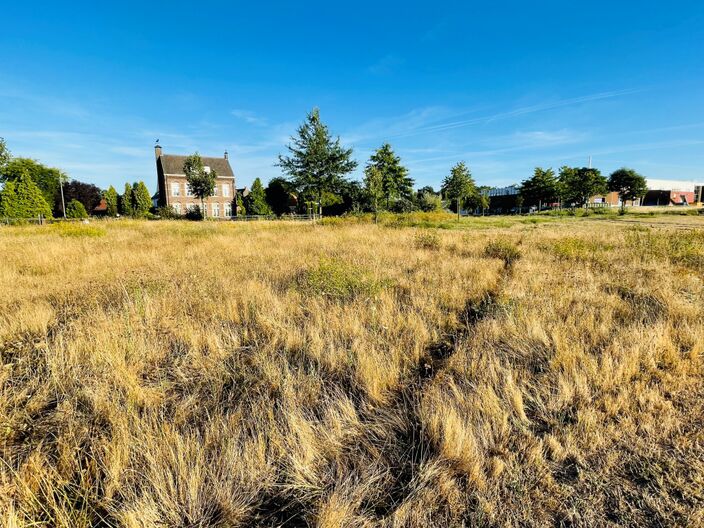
{"x": 75, "y": 209}
{"x": 484, "y": 200}
{"x": 459, "y": 186}
{"x": 628, "y": 184}
{"x": 22, "y": 198}
{"x": 126, "y": 207}
{"x": 279, "y": 194}
{"x": 5, "y": 155}
{"x": 46, "y": 178}
{"x": 395, "y": 181}
{"x": 141, "y": 199}
{"x": 200, "y": 181}
{"x": 240, "y": 209}
{"x": 542, "y": 187}
{"x": 429, "y": 202}
{"x": 8, "y": 201}
{"x": 111, "y": 201}
{"x": 374, "y": 188}
{"x": 578, "y": 185}
{"x": 316, "y": 165}
{"x": 255, "y": 202}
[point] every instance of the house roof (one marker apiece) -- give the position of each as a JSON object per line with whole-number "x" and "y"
{"x": 173, "y": 164}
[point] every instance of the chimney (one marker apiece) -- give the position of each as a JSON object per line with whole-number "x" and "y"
{"x": 226, "y": 155}
{"x": 157, "y": 151}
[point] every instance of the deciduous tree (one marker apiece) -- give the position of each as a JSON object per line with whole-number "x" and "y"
{"x": 580, "y": 184}
{"x": 200, "y": 181}
{"x": 374, "y": 188}
{"x": 628, "y": 184}
{"x": 459, "y": 186}
{"x": 542, "y": 187}
{"x": 46, "y": 178}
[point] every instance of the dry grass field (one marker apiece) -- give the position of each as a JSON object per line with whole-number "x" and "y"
{"x": 504, "y": 373}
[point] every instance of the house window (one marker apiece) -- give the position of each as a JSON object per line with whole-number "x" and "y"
{"x": 226, "y": 190}
{"x": 206, "y": 169}
{"x": 216, "y": 209}
{"x": 177, "y": 208}
{"x": 175, "y": 189}
{"x": 215, "y": 190}
{"x": 189, "y": 192}
{"x": 228, "y": 209}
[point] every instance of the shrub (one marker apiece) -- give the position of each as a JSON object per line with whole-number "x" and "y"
{"x": 75, "y": 209}
{"x": 339, "y": 280}
{"x": 503, "y": 250}
{"x": 194, "y": 213}
{"x": 427, "y": 240}
{"x": 167, "y": 212}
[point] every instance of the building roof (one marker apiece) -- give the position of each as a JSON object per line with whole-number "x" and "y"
{"x": 173, "y": 164}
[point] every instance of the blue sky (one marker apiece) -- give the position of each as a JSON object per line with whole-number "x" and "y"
{"x": 505, "y": 86}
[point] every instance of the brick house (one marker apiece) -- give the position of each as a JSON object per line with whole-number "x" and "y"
{"x": 172, "y": 188}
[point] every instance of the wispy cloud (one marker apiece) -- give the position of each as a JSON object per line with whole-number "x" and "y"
{"x": 386, "y": 65}
{"x": 249, "y": 117}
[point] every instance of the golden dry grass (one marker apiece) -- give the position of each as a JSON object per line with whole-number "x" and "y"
{"x": 351, "y": 375}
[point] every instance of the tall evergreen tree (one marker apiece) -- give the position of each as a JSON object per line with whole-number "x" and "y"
{"x": 395, "y": 181}
{"x": 141, "y": 199}
{"x": 126, "y": 207}
{"x": 541, "y": 188}
{"x": 578, "y": 185}
{"x": 255, "y": 201}
{"x": 111, "y": 201}
{"x": 22, "y": 198}
{"x": 317, "y": 165}
{"x": 46, "y": 178}
{"x": 200, "y": 181}
{"x": 459, "y": 186}
{"x": 75, "y": 209}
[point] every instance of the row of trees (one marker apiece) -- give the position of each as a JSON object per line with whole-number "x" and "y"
{"x": 31, "y": 189}
{"x": 575, "y": 186}
{"x": 316, "y": 167}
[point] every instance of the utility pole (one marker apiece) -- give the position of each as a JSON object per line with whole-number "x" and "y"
{"x": 63, "y": 205}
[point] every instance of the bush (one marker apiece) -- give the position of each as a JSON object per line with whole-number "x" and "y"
{"x": 194, "y": 213}
{"x": 167, "y": 213}
{"x": 75, "y": 209}
{"x": 427, "y": 240}
{"x": 504, "y": 250}
{"x": 339, "y": 280}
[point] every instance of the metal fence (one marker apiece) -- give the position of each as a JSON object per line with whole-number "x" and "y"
{"x": 289, "y": 217}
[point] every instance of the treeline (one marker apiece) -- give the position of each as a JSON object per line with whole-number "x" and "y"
{"x": 316, "y": 169}
{"x": 576, "y": 186}
{"x": 31, "y": 189}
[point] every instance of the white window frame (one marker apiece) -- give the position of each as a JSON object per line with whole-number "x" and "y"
{"x": 225, "y": 190}
{"x": 177, "y": 208}
{"x": 216, "y": 209}
{"x": 175, "y": 189}
{"x": 228, "y": 209}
